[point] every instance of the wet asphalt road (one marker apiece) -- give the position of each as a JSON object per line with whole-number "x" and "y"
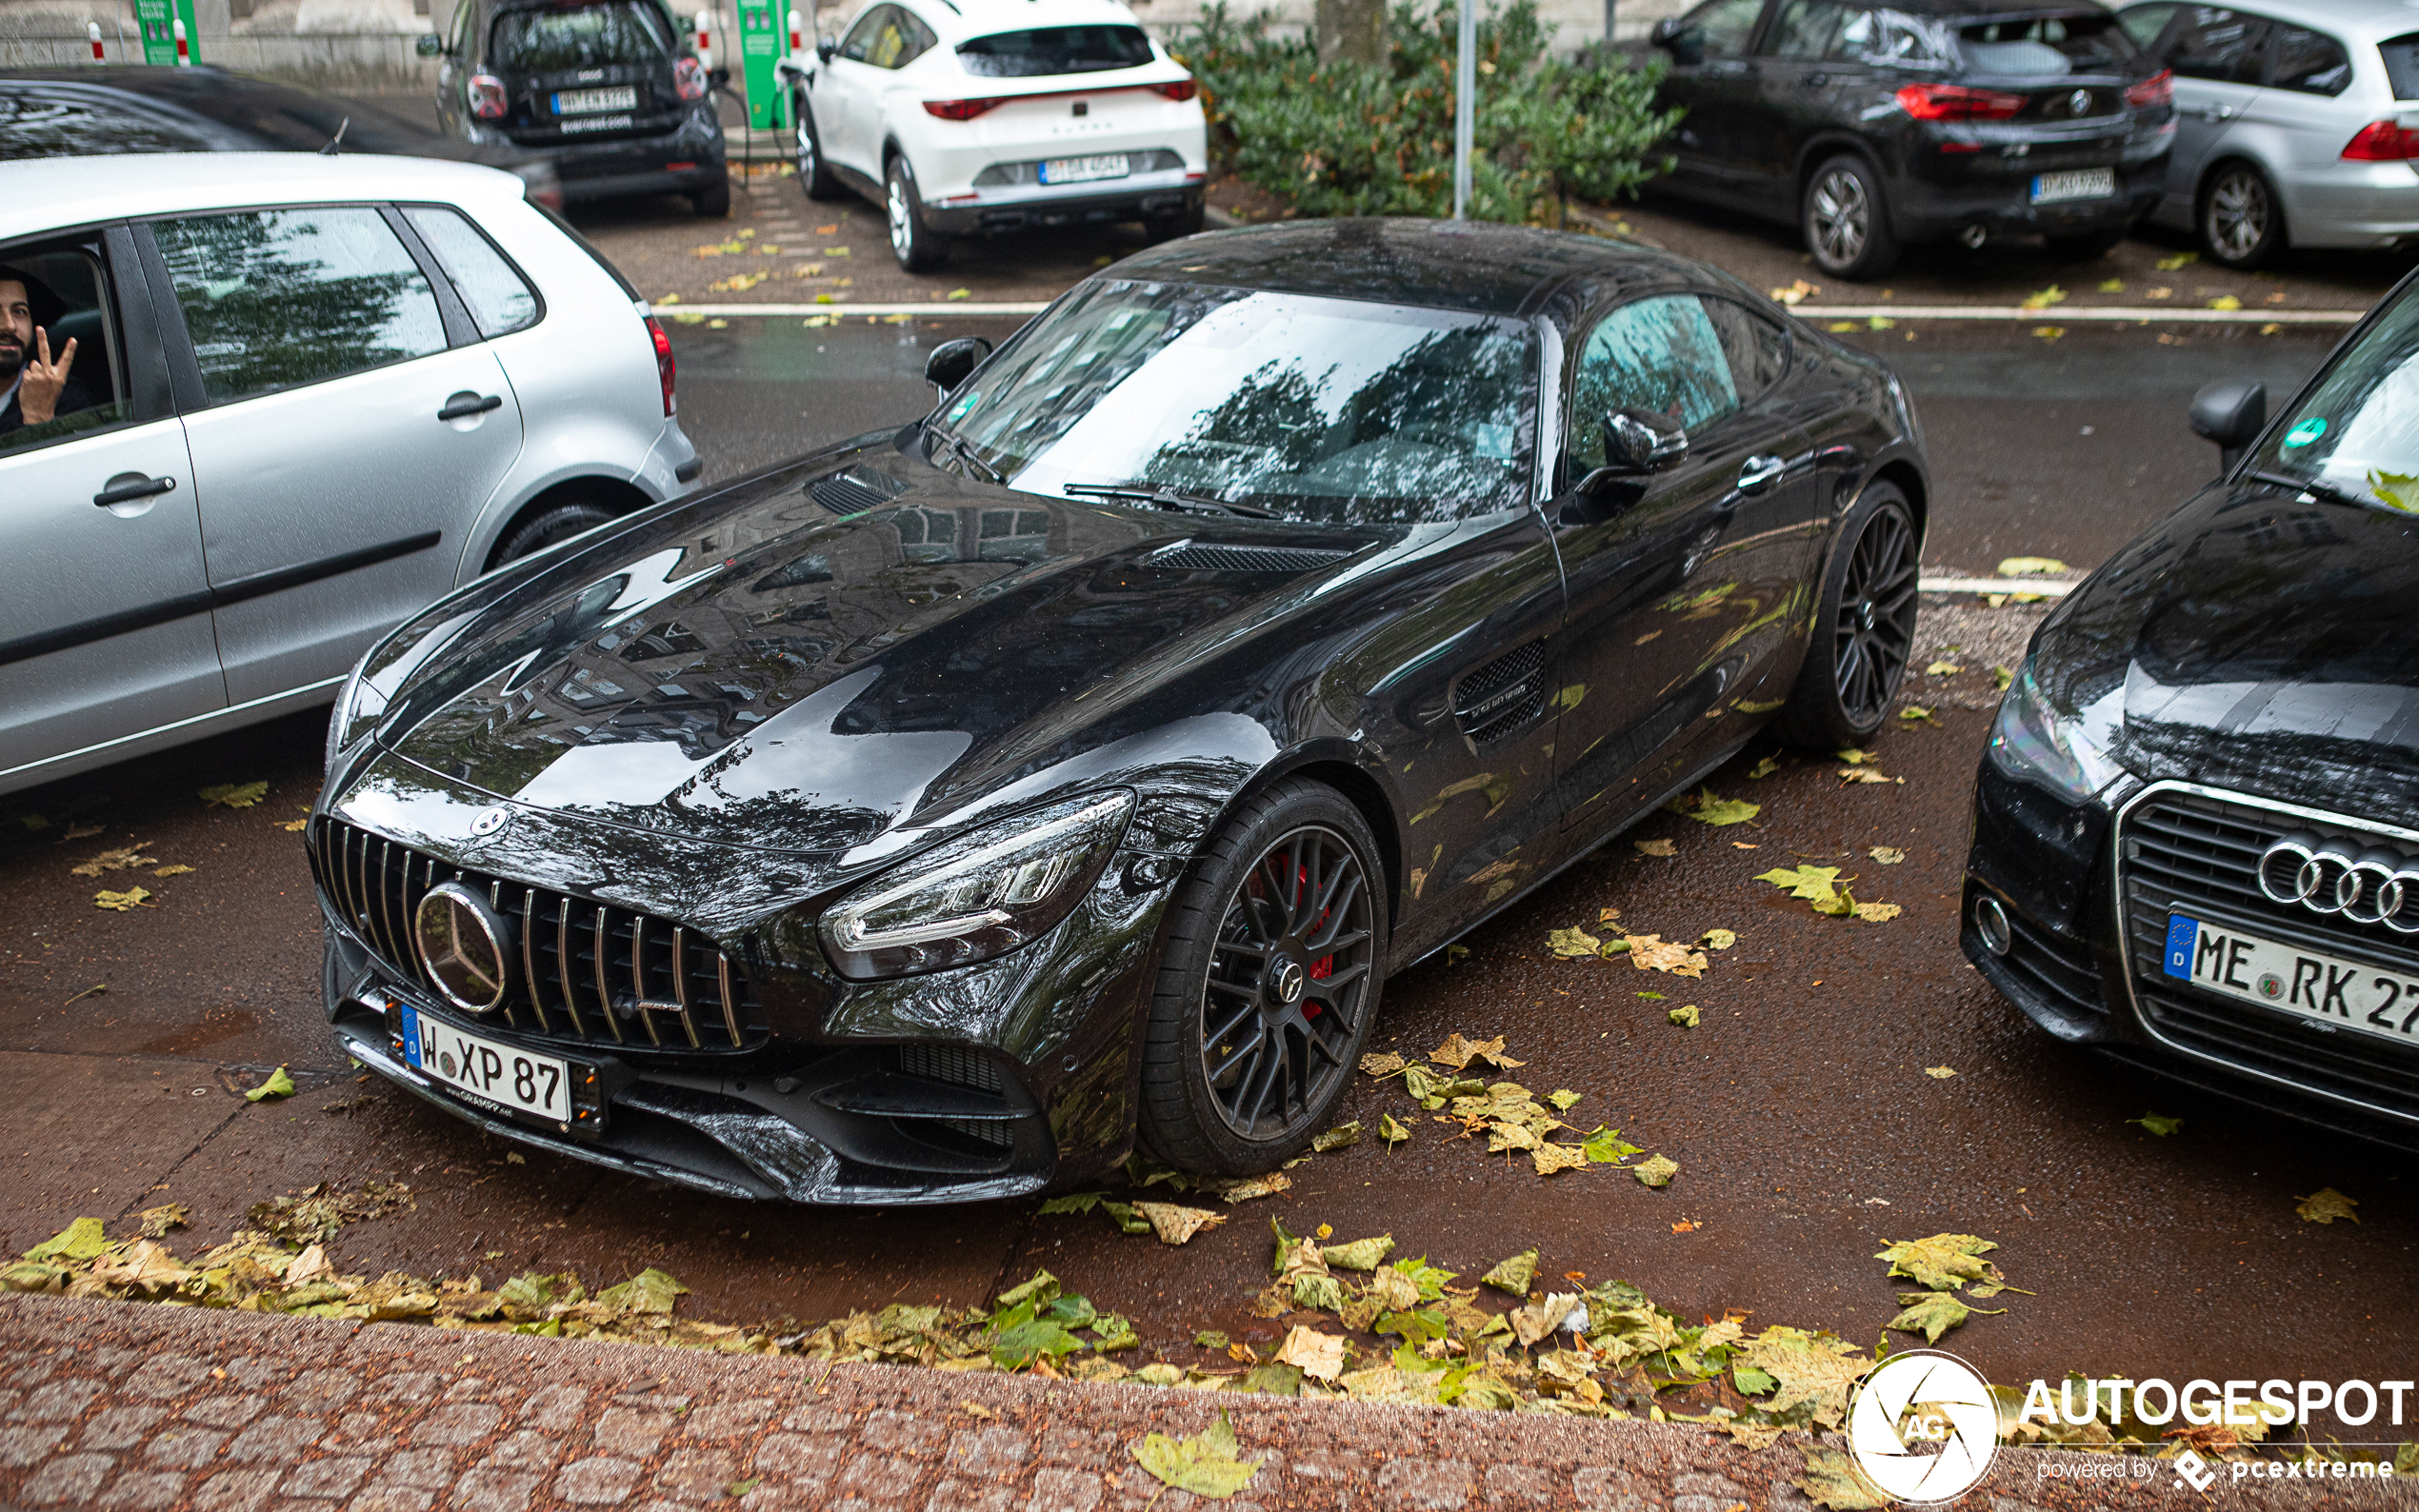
{"x": 1806, "y": 1128}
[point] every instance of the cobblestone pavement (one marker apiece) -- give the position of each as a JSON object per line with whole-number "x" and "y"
{"x": 114, "y": 1405}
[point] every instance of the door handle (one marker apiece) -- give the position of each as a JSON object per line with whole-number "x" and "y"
{"x": 128, "y": 486}
{"x": 463, "y": 406}
{"x": 1816, "y": 81}
{"x": 1761, "y": 473}
{"x": 2216, "y": 112}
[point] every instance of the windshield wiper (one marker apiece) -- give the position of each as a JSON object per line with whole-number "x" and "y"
{"x": 2313, "y": 487}
{"x": 957, "y": 446}
{"x": 1166, "y": 497}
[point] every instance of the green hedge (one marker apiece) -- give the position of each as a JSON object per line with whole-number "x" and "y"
{"x": 1351, "y": 139}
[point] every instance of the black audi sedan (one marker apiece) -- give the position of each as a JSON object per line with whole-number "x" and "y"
{"x": 1875, "y": 127}
{"x": 925, "y": 818}
{"x": 2196, "y": 833}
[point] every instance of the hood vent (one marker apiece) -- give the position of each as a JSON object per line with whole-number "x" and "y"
{"x": 1209, "y": 556}
{"x": 853, "y": 491}
{"x": 1504, "y": 696}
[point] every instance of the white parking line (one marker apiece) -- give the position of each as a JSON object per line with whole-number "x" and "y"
{"x": 2093, "y": 313}
{"x": 2047, "y": 590}
{"x": 960, "y": 307}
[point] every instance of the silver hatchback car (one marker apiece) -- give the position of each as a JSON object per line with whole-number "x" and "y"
{"x": 2297, "y": 123}
{"x": 306, "y": 396}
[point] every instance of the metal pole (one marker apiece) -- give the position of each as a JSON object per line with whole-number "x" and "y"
{"x": 1608, "y": 5}
{"x": 1465, "y": 103}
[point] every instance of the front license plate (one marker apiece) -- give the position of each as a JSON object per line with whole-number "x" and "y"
{"x": 2348, "y": 993}
{"x": 2077, "y": 184}
{"x": 587, "y": 102}
{"x": 1077, "y": 169}
{"x": 489, "y": 1071}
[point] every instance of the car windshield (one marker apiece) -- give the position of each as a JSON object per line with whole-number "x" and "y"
{"x": 1055, "y": 50}
{"x": 2049, "y": 47}
{"x": 2356, "y": 432}
{"x": 580, "y": 36}
{"x": 1318, "y": 410}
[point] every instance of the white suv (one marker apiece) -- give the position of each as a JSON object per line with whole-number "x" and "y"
{"x": 307, "y": 396}
{"x": 962, "y": 117}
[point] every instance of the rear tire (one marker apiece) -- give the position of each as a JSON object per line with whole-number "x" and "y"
{"x": 918, "y": 248}
{"x": 814, "y": 174}
{"x": 713, "y": 202}
{"x": 2087, "y": 248}
{"x": 1864, "y": 627}
{"x": 2241, "y": 220}
{"x": 1270, "y": 973}
{"x": 542, "y": 527}
{"x": 1845, "y": 220}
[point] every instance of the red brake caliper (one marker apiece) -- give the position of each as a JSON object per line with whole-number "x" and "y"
{"x": 1324, "y": 966}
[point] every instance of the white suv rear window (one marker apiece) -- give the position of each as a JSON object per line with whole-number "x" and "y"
{"x": 1055, "y": 50}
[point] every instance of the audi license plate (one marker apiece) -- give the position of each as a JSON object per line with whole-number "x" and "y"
{"x": 2330, "y": 988}
{"x": 2076, "y": 183}
{"x": 589, "y": 102}
{"x": 490, "y": 1072}
{"x": 1078, "y": 170}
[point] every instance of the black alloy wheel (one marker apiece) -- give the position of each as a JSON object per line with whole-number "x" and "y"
{"x": 1267, "y": 986}
{"x": 814, "y": 174}
{"x": 2241, "y": 224}
{"x": 1864, "y": 629}
{"x": 1846, "y": 220}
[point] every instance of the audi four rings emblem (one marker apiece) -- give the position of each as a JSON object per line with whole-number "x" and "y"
{"x": 2330, "y": 874}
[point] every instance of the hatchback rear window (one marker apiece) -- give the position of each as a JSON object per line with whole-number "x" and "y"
{"x": 1055, "y": 50}
{"x": 2401, "y": 65}
{"x": 2048, "y": 46}
{"x": 581, "y": 36}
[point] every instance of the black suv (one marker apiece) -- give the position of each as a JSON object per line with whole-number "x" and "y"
{"x": 1872, "y": 127}
{"x": 610, "y": 88}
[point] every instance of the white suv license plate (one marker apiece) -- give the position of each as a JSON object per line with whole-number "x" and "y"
{"x": 1078, "y": 170}
{"x": 587, "y": 102}
{"x": 2221, "y": 959}
{"x": 2076, "y": 183}
{"x": 491, "y": 1072}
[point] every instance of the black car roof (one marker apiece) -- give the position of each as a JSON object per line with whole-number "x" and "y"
{"x": 1474, "y": 266}
{"x": 277, "y": 115}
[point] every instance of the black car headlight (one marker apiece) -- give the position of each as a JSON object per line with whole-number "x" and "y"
{"x": 2034, "y": 742}
{"x": 980, "y": 895}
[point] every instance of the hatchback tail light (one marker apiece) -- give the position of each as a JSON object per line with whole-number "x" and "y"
{"x": 487, "y": 96}
{"x": 2382, "y": 142}
{"x": 1955, "y": 102}
{"x": 2159, "y": 88}
{"x": 665, "y": 368}
{"x": 1181, "y": 90}
{"x": 688, "y": 78}
{"x": 959, "y": 109}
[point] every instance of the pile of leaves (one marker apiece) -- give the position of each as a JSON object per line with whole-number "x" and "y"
{"x": 1648, "y": 952}
{"x": 1345, "y": 138}
{"x": 1825, "y": 893}
{"x": 1511, "y": 1117}
{"x": 1941, "y": 1265}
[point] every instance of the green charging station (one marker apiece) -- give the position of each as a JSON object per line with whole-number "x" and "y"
{"x": 156, "y": 19}
{"x": 763, "y": 41}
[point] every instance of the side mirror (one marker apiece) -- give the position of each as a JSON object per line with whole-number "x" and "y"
{"x": 429, "y": 46}
{"x": 1665, "y": 31}
{"x": 1640, "y": 441}
{"x": 718, "y": 79}
{"x": 952, "y": 362}
{"x": 2231, "y": 412}
{"x": 827, "y": 48}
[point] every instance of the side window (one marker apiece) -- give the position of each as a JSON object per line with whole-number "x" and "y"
{"x": 1720, "y": 28}
{"x": 500, "y": 301}
{"x": 1803, "y": 29}
{"x": 1660, "y": 353}
{"x": 2401, "y": 65}
{"x": 896, "y": 42}
{"x": 2144, "y": 23}
{"x": 1885, "y": 38}
{"x": 2306, "y": 61}
{"x": 57, "y": 294}
{"x": 861, "y": 36}
{"x": 274, "y": 299}
{"x": 1758, "y": 348}
{"x": 2212, "y": 43}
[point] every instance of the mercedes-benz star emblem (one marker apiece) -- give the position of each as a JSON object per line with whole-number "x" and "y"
{"x": 494, "y": 819}
{"x": 1289, "y": 981}
{"x": 2335, "y": 875}
{"x": 463, "y": 945}
{"x": 2079, "y": 103}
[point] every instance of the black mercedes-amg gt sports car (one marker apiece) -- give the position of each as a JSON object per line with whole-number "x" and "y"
{"x": 2196, "y": 828}
{"x": 928, "y": 817}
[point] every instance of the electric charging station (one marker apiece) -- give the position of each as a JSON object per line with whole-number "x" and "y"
{"x": 763, "y": 42}
{"x": 158, "y": 21}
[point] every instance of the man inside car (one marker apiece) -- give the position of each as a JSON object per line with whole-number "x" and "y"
{"x": 37, "y": 389}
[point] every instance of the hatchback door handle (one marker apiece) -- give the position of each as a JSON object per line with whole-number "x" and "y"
{"x": 463, "y": 406}
{"x": 1761, "y": 473}
{"x": 2216, "y": 112}
{"x": 128, "y": 486}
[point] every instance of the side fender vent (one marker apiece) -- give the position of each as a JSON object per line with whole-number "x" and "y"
{"x": 1504, "y": 696}
{"x": 1209, "y": 556}
{"x": 853, "y": 491}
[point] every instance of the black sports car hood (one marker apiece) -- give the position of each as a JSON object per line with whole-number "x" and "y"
{"x": 2256, "y": 642}
{"x": 759, "y": 670}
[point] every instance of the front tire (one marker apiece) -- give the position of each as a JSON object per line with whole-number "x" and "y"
{"x": 1845, "y": 220}
{"x": 917, "y": 245}
{"x": 1269, "y": 983}
{"x": 814, "y": 174}
{"x": 713, "y": 202}
{"x": 1864, "y": 627}
{"x": 2241, "y": 221}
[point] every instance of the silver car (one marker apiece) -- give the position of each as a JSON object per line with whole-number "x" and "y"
{"x": 2297, "y": 124}
{"x": 308, "y": 395}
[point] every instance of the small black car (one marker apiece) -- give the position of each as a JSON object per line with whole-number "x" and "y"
{"x": 609, "y": 89}
{"x": 131, "y": 108}
{"x": 2196, "y": 828}
{"x": 921, "y": 819}
{"x": 1875, "y": 127}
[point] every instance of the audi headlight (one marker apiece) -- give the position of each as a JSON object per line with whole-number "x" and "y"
{"x": 980, "y": 895}
{"x": 2033, "y": 742}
